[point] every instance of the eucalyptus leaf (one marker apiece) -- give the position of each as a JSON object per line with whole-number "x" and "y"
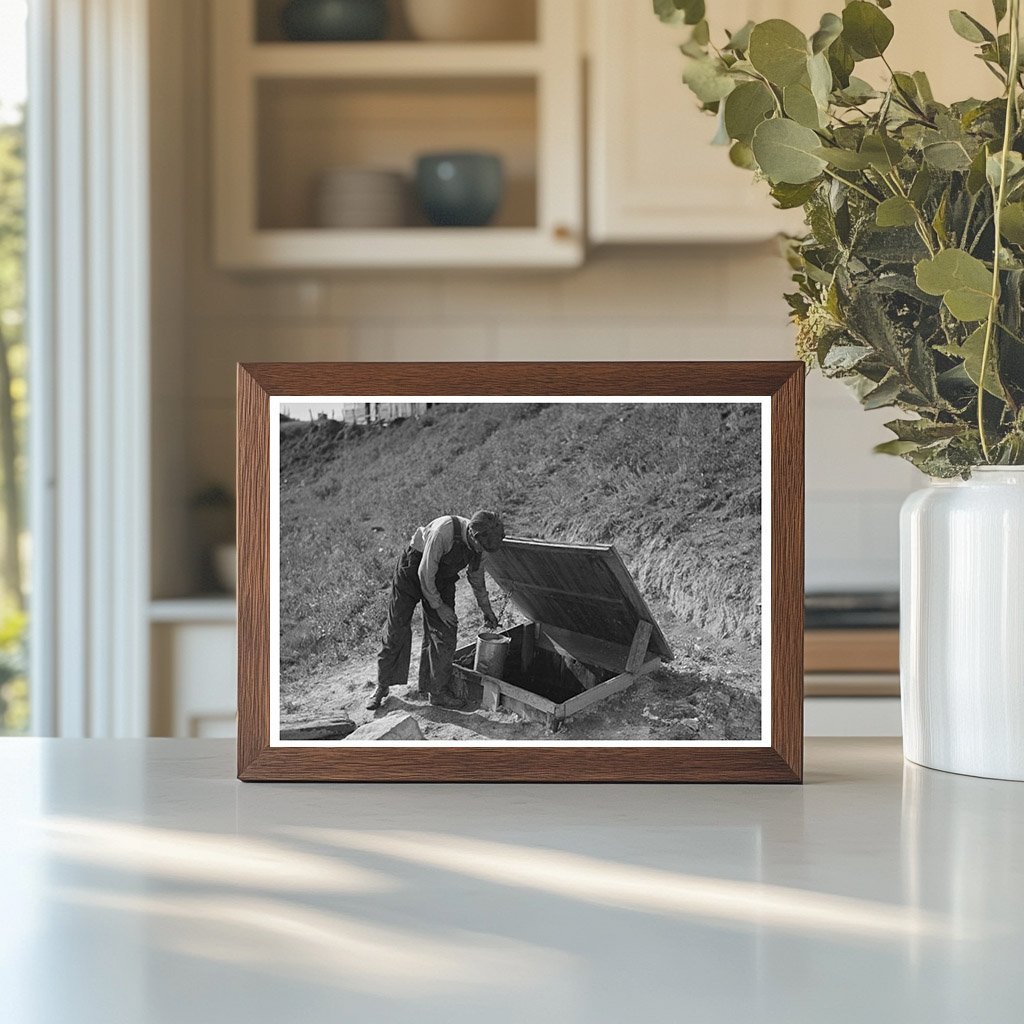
{"x": 721, "y": 136}
{"x": 844, "y": 159}
{"x": 972, "y": 353}
{"x": 895, "y": 447}
{"x": 924, "y": 87}
{"x": 1012, "y": 225}
{"x": 884, "y": 395}
{"x": 789, "y": 197}
{"x": 1014, "y": 169}
{"x": 923, "y": 431}
{"x": 895, "y": 212}
{"x": 858, "y": 91}
{"x": 963, "y": 281}
{"x": 976, "y": 178}
{"x": 786, "y": 152}
{"x": 866, "y": 30}
{"x": 819, "y": 75}
{"x": 745, "y": 108}
{"x": 708, "y": 80}
{"x": 947, "y": 156}
{"x": 741, "y": 155}
{"x": 800, "y": 105}
{"x": 739, "y": 41}
{"x": 841, "y": 60}
{"x": 829, "y": 30}
{"x": 921, "y": 185}
{"x": 906, "y": 87}
{"x": 969, "y": 28}
{"x": 675, "y": 12}
{"x": 779, "y": 51}
{"x": 883, "y": 153}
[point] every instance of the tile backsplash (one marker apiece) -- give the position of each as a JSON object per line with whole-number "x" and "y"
{"x": 721, "y": 302}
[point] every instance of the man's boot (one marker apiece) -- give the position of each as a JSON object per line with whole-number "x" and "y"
{"x": 379, "y": 696}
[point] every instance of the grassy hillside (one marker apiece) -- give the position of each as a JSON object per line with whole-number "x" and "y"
{"x": 675, "y": 487}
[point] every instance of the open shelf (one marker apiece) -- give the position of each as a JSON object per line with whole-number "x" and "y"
{"x": 306, "y": 128}
{"x": 393, "y": 60}
{"x": 286, "y": 114}
{"x": 406, "y": 248}
{"x": 520, "y": 17}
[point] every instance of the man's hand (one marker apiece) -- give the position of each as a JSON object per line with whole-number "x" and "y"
{"x": 447, "y": 615}
{"x": 491, "y": 620}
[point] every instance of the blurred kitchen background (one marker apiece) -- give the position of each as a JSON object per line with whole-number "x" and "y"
{"x": 290, "y": 218}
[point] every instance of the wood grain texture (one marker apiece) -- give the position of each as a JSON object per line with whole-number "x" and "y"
{"x": 780, "y": 762}
{"x": 252, "y": 487}
{"x": 787, "y": 625}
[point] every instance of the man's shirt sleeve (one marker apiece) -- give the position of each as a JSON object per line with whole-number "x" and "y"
{"x": 437, "y": 542}
{"x": 476, "y": 581}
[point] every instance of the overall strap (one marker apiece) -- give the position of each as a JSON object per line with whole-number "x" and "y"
{"x": 471, "y": 553}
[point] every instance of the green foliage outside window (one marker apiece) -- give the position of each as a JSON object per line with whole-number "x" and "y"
{"x": 13, "y": 411}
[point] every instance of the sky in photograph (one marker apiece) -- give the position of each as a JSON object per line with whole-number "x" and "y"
{"x": 12, "y": 56}
{"x": 302, "y": 410}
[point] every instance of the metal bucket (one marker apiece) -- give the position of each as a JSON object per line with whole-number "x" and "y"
{"x": 491, "y": 649}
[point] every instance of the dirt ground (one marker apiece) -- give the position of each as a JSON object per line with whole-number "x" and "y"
{"x": 711, "y": 691}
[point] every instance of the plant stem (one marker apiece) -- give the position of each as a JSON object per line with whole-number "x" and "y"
{"x": 856, "y": 188}
{"x": 993, "y": 309}
{"x": 923, "y": 228}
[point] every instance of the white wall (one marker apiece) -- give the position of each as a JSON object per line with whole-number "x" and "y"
{"x": 667, "y": 303}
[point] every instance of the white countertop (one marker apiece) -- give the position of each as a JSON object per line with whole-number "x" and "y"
{"x": 144, "y": 885}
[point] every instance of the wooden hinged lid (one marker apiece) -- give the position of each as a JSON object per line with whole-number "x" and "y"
{"x": 578, "y": 588}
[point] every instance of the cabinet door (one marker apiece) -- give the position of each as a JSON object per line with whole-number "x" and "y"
{"x": 654, "y": 175}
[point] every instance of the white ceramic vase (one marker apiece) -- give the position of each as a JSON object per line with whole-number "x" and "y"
{"x": 962, "y": 624}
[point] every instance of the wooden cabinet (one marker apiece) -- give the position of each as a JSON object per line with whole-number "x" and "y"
{"x": 192, "y": 648}
{"x": 285, "y": 114}
{"x": 653, "y": 175}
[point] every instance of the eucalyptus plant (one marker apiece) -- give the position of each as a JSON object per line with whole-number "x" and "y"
{"x": 910, "y": 278}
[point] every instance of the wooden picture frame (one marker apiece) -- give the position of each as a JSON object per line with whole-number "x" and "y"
{"x": 778, "y": 759}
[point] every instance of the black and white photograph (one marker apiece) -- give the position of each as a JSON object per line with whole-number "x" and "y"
{"x": 504, "y": 571}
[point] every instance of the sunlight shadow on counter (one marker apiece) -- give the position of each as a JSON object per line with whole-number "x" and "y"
{"x": 741, "y": 904}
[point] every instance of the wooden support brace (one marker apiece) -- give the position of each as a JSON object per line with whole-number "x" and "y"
{"x": 492, "y": 695}
{"x": 638, "y": 649}
{"x": 529, "y": 648}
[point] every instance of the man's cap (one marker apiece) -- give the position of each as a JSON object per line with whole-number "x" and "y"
{"x": 488, "y": 529}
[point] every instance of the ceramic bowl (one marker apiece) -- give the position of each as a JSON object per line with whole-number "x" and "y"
{"x": 470, "y": 20}
{"x": 334, "y": 20}
{"x": 460, "y": 189}
{"x": 357, "y": 197}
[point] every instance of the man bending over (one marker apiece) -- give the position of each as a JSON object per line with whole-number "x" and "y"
{"x": 426, "y": 574}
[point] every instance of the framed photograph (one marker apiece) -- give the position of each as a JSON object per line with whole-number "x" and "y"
{"x": 520, "y": 572}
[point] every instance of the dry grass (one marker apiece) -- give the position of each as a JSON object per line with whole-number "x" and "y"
{"x": 675, "y": 487}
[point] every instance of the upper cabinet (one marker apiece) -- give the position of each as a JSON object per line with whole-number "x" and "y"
{"x": 653, "y": 174}
{"x": 316, "y": 143}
